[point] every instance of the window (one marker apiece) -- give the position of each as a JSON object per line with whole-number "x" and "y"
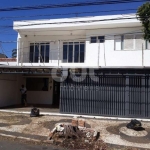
{"x": 129, "y": 42}
{"x": 100, "y": 39}
{"x": 37, "y": 84}
{"x": 139, "y": 42}
{"x": 39, "y": 52}
{"x": 73, "y": 52}
{"x": 147, "y": 45}
{"x": 118, "y": 42}
{"x": 94, "y": 39}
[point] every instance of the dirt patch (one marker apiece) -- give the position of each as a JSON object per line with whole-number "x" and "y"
{"x": 81, "y": 144}
{"x": 124, "y": 135}
{"x": 3, "y": 124}
{"x": 16, "y": 119}
{"x": 133, "y": 133}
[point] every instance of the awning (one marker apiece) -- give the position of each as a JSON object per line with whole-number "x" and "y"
{"x": 43, "y": 71}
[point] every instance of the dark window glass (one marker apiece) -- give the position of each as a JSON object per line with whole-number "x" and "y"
{"x": 37, "y": 84}
{"x": 65, "y": 53}
{"x": 82, "y": 49}
{"x": 36, "y": 58}
{"x": 47, "y": 53}
{"x": 70, "y": 53}
{"x": 94, "y": 39}
{"x": 31, "y": 52}
{"x": 70, "y": 43}
{"x": 42, "y": 53}
{"x": 101, "y": 39}
{"x": 76, "y": 53}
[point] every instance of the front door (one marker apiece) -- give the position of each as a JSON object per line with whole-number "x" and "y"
{"x": 56, "y": 94}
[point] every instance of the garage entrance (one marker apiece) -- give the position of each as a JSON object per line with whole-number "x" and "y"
{"x": 56, "y": 94}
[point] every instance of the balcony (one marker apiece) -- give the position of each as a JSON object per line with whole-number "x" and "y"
{"x": 8, "y": 61}
{"x": 46, "y": 58}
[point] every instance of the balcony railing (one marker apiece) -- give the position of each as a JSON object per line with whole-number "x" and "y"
{"x": 51, "y": 57}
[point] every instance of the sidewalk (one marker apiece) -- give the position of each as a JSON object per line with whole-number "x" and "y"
{"x": 21, "y": 125}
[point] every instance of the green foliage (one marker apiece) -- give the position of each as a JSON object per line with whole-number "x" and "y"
{"x": 143, "y": 14}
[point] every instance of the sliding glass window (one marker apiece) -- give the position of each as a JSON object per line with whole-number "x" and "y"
{"x": 39, "y": 52}
{"x": 73, "y": 52}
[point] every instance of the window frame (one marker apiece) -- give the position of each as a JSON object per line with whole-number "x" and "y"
{"x": 99, "y": 39}
{"x": 73, "y": 54}
{"x": 40, "y": 44}
{"x": 147, "y": 45}
{"x": 134, "y": 42}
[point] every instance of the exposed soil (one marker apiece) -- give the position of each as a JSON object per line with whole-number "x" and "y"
{"x": 81, "y": 144}
{"x": 39, "y": 128}
{"x": 124, "y": 135}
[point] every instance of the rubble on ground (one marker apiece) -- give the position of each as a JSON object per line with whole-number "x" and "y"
{"x": 75, "y": 135}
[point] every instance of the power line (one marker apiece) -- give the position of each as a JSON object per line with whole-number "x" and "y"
{"x": 63, "y": 14}
{"x": 74, "y": 4}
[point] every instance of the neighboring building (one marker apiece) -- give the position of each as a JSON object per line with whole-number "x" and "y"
{"x": 112, "y": 45}
{"x": 3, "y": 55}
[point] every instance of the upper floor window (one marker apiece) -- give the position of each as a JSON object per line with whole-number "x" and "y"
{"x": 73, "y": 52}
{"x": 147, "y": 44}
{"x": 129, "y": 42}
{"x": 98, "y": 39}
{"x": 39, "y": 52}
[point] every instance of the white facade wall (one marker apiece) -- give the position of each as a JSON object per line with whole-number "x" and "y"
{"x": 10, "y": 85}
{"x": 96, "y": 54}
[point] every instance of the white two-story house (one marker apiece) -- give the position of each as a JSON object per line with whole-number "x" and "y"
{"x": 91, "y": 65}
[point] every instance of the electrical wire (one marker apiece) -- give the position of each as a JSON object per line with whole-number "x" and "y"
{"x": 63, "y": 14}
{"x": 73, "y": 4}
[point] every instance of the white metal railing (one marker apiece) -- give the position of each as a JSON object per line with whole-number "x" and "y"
{"x": 27, "y": 57}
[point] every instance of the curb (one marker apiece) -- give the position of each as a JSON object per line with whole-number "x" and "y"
{"x": 25, "y": 139}
{"x": 75, "y": 115}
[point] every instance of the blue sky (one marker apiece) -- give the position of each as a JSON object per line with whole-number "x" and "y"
{"x": 7, "y": 34}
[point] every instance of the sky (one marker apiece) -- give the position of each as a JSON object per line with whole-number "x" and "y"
{"x": 8, "y": 34}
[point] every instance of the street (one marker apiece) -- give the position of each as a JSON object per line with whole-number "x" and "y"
{"x": 16, "y": 145}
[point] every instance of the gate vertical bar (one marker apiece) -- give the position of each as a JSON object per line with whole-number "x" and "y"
{"x": 143, "y": 98}
{"x": 127, "y": 97}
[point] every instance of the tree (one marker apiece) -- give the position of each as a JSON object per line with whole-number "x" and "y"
{"x": 143, "y": 14}
{"x": 14, "y": 53}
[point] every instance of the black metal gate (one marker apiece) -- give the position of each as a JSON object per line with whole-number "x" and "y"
{"x": 107, "y": 95}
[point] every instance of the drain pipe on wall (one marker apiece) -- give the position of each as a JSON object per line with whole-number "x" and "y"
{"x": 142, "y": 55}
{"x": 22, "y": 54}
{"x": 98, "y": 54}
{"x": 104, "y": 55}
{"x": 58, "y": 51}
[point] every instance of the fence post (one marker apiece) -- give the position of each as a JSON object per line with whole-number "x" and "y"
{"x": 148, "y": 97}
{"x": 127, "y": 97}
{"x": 143, "y": 113}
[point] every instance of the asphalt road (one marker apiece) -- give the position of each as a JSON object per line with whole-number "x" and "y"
{"x": 15, "y": 145}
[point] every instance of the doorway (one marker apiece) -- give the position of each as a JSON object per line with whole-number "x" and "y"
{"x": 56, "y": 94}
